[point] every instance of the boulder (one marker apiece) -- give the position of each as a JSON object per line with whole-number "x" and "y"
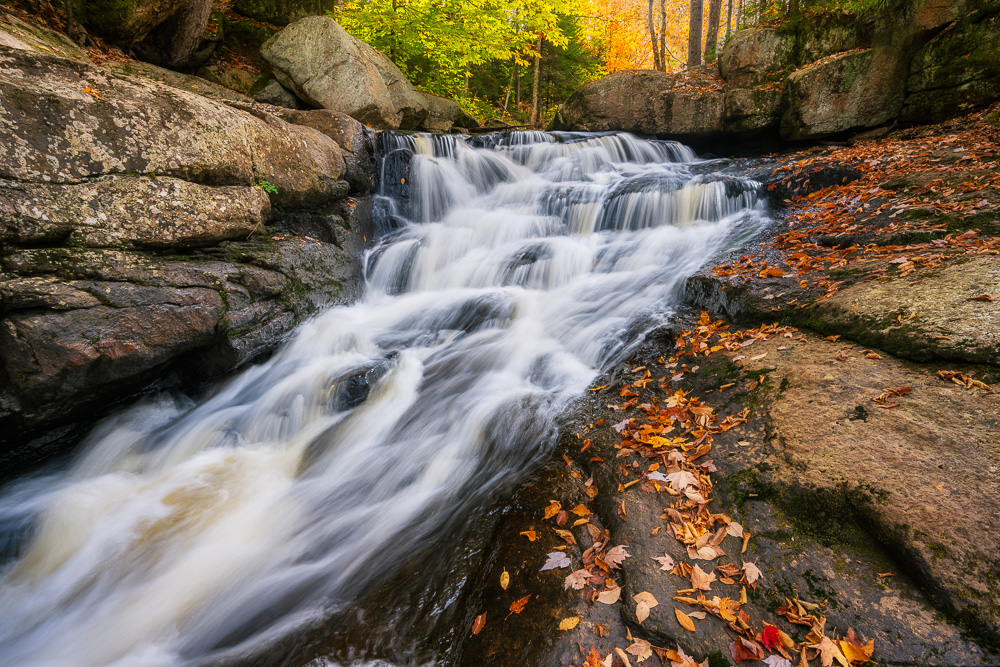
{"x": 283, "y": 12}
{"x": 269, "y": 90}
{"x": 356, "y": 141}
{"x": 320, "y": 63}
{"x": 956, "y": 71}
{"x": 853, "y": 90}
{"x": 177, "y": 42}
{"x": 757, "y": 55}
{"x": 67, "y": 121}
{"x": 232, "y": 78}
{"x": 326, "y": 67}
{"x": 190, "y": 83}
{"x": 750, "y": 111}
{"x": 125, "y": 22}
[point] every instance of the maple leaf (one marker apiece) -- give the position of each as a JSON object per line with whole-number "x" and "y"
{"x": 593, "y": 658}
{"x": 557, "y": 559}
{"x": 744, "y": 649}
{"x": 641, "y": 649}
{"x": 700, "y": 579}
{"x": 577, "y": 580}
{"x": 728, "y": 608}
{"x": 752, "y": 573}
{"x": 665, "y": 561}
{"x": 615, "y": 557}
{"x": 479, "y": 623}
{"x": 777, "y": 661}
{"x": 517, "y": 606}
{"x": 769, "y": 637}
{"x": 828, "y": 652}
{"x": 681, "y": 480}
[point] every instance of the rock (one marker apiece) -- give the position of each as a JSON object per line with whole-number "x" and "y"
{"x": 326, "y": 67}
{"x": 757, "y": 55}
{"x": 16, "y": 34}
{"x": 268, "y": 90}
{"x": 957, "y": 71}
{"x": 188, "y": 82}
{"x": 751, "y": 111}
{"x": 356, "y": 141}
{"x": 177, "y": 42}
{"x": 127, "y": 126}
{"x": 283, "y": 12}
{"x": 444, "y": 114}
{"x": 239, "y": 80}
{"x": 125, "y": 22}
{"x": 128, "y": 211}
{"x": 857, "y": 89}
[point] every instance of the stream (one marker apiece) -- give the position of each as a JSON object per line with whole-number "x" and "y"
{"x": 511, "y": 269}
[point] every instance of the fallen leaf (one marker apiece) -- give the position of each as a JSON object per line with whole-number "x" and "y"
{"x": 744, "y": 649}
{"x": 557, "y": 559}
{"x": 665, "y": 561}
{"x": 641, "y": 649}
{"x": 479, "y": 623}
{"x": 684, "y": 620}
{"x": 530, "y": 534}
{"x": 552, "y": 509}
{"x": 700, "y": 579}
{"x": 769, "y": 637}
{"x": 569, "y": 623}
{"x": 610, "y": 596}
{"x": 505, "y": 579}
{"x": 982, "y": 297}
{"x": 777, "y": 661}
{"x": 566, "y": 535}
{"x": 735, "y": 529}
{"x": 828, "y": 652}
{"x": 577, "y": 580}
{"x": 752, "y": 573}
{"x": 517, "y": 606}
{"x": 616, "y": 556}
{"x": 580, "y": 510}
{"x": 624, "y": 658}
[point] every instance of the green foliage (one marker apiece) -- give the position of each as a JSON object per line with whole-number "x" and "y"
{"x": 267, "y": 187}
{"x": 762, "y": 11}
{"x": 468, "y": 50}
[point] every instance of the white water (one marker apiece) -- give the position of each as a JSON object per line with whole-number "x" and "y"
{"x": 184, "y": 530}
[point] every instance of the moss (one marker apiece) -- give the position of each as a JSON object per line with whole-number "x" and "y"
{"x": 716, "y": 659}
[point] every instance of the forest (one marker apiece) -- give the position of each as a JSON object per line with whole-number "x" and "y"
{"x": 514, "y": 62}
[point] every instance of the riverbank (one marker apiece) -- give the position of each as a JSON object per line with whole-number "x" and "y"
{"x": 841, "y": 425}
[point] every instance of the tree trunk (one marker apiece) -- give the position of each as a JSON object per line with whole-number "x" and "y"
{"x": 793, "y": 6}
{"x": 663, "y": 35}
{"x": 517, "y": 87}
{"x": 694, "y": 33}
{"x": 510, "y": 86}
{"x": 712, "y": 38}
{"x": 729, "y": 18}
{"x": 652, "y": 36}
{"x": 536, "y": 100}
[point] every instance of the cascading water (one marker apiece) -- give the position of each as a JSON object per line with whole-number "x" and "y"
{"x": 512, "y": 268}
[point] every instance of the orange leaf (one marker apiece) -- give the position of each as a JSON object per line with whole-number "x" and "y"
{"x": 684, "y": 620}
{"x": 479, "y": 623}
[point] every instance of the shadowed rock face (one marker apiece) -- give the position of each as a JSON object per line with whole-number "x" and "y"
{"x": 134, "y": 238}
{"x": 820, "y": 76}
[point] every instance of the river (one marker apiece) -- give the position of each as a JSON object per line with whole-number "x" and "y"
{"x": 511, "y": 269}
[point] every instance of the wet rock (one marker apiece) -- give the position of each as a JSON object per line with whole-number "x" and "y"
{"x": 59, "y": 133}
{"x": 129, "y": 211}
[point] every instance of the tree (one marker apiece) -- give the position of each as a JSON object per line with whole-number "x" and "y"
{"x": 712, "y": 38}
{"x": 694, "y": 33}
{"x": 536, "y": 100}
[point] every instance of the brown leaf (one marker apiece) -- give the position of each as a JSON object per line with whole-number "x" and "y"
{"x": 744, "y": 649}
{"x": 566, "y": 535}
{"x": 610, "y": 596}
{"x": 684, "y": 620}
{"x": 615, "y": 557}
{"x": 562, "y": 518}
{"x": 577, "y": 580}
{"x": 700, "y": 579}
{"x": 479, "y": 623}
{"x": 641, "y": 649}
{"x": 982, "y": 297}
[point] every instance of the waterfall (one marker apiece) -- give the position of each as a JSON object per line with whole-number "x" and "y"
{"x": 511, "y": 269}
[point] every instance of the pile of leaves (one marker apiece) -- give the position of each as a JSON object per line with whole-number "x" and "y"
{"x": 662, "y": 447}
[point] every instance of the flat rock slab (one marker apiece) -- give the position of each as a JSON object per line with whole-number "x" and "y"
{"x": 937, "y": 317}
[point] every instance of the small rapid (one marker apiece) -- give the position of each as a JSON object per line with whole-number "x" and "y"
{"x": 510, "y": 270}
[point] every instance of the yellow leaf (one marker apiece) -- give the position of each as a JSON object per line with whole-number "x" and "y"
{"x": 504, "y": 580}
{"x": 580, "y": 510}
{"x": 684, "y": 620}
{"x": 569, "y": 623}
{"x": 552, "y": 509}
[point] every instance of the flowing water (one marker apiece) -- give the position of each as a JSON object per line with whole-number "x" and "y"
{"x": 511, "y": 269}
